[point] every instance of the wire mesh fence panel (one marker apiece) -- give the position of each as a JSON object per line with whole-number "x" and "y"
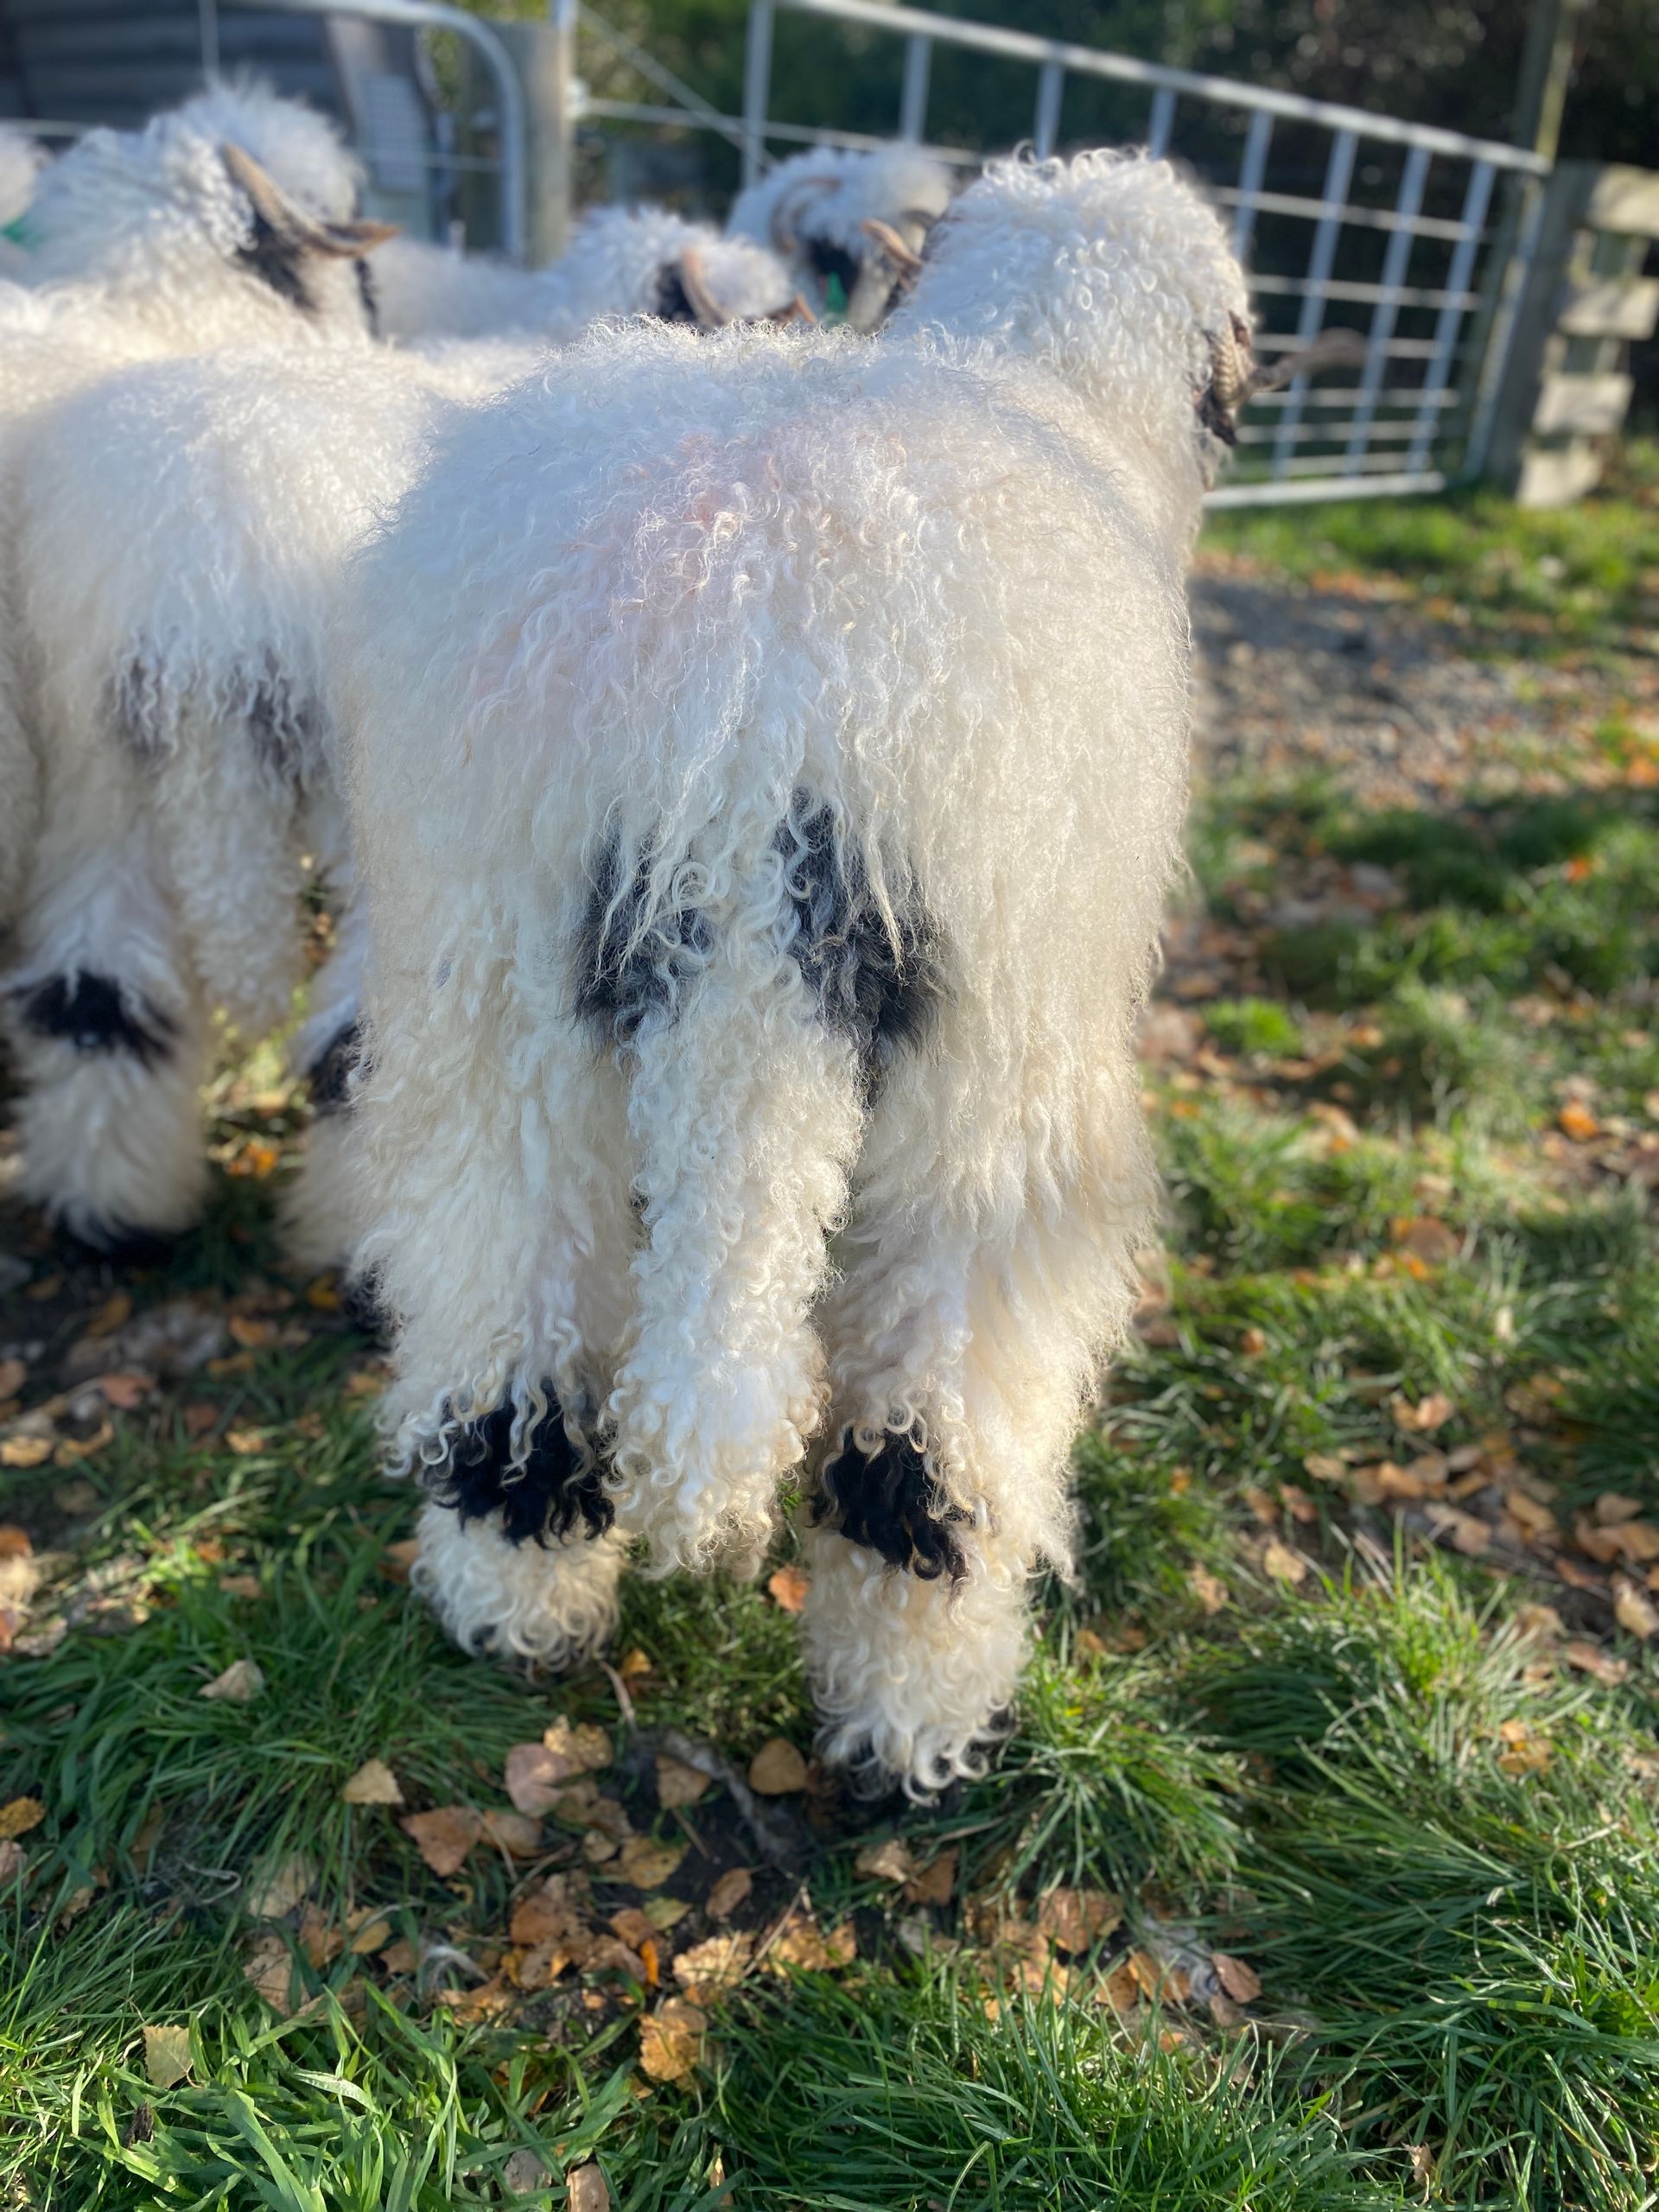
{"x": 1415, "y": 239}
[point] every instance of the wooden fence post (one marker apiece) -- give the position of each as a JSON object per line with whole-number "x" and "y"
{"x": 1565, "y": 392}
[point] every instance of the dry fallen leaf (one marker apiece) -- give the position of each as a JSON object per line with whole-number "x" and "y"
{"x": 1326, "y": 1467}
{"x": 1464, "y": 1531}
{"x": 936, "y": 1881}
{"x": 18, "y": 1817}
{"x": 25, "y": 1451}
{"x": 398, "y": 1559}
{"x": 1577, "y": 1121}
{"x": 803, "y": 1944}
{"x": 717, "y": 1964}
{"x": 110, "y": 1316}
{"x": 241, "y": 1682}
{"x": 1633, "y": 1609}
{"x": 1614, "y": 1506}
{"x": 788, "y": 1588}
{"x": 552, "y": 1914}
{"x": 1539, "y": 1620}
{"x": 583, "y": 1748}
{"x": 890, "y": 1860}
{"x": 664, "y": 1913}
{"x": 1425, "y": 1417}
{"x": 13, "y": 1375}
{"x": 320, "y": 1940}
{"x": 1283, "y": 1563}
{"x": 1209, "y": 1589}
{"x": 777, "y": 1769}
{"x": 13, "y": 1859}
{"x": 1524, "y": 1752}
{"x": 524, "y": 2173}
{"x": 444, "y": 1836}
{"x": 678, "y": 1783}
{"x": 276, "y": 1888}
{"x": 647, "y": 1864}
{"x": 585, "y": 2190}
{"x": 167, "y": 2056}
{"x": 1591, "y": 1659}
{"x": 374, "y": 1783}
{"x": 269, "y": 1966}
{"x": 1074, "y": 1920}
{"x": 671, "y": 2039}
{"x": 1241, "y": 1982}
{"x": 730, "y": 1892}
{"x": 515, "y": 1834}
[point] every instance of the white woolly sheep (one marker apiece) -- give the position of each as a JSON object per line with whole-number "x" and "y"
{"x": 768, "y": 761}
{"x": 849, "y": 219}
{"x": 621, "y": 262}
{"x": 226, "y": 220}
{"x": 181, "y": 528}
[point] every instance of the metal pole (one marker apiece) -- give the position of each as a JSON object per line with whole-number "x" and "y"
{"x": 1546, "y": 72}
{"x": 437, "y": 16}
{"x": 207, "y": 19}
{"x": 756, "y": 91}
{"x": 912, "y": 105}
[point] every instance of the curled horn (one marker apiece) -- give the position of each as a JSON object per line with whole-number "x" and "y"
{"x": 786, "y": 215}
{"x": 1235, "y": 376}
{"x": 796, "y": 311}
{"x": 701, "y": 302}
{"x": 291, "y": 222}
{"x": 1331, "y": 349}
{"x": 906, "y": 261}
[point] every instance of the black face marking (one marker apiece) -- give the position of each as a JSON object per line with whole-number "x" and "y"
{"x": 277, "y": 259}
{"x": 884, "y": 1501}
{"x": 881, "y": 992}
{"x": 670, "y": 304}
{"x": 330, "y": 1074}
{"x": 620, "y": 983}
{"x": 369, "y": 296}
{"x": 829, "y": 261}
{"x": 1215, "y": 417}
{"x": 547, "y": 1497}
{"x": 95, "y": 1014}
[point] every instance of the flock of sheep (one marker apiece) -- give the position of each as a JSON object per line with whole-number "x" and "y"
{"x": 743, "y": 759}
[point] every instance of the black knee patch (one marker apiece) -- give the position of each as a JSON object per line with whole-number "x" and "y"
{"x": 624, "y": 977}
{"x": 285, "y": 727}
{"x": 95, "y": 1014}
{"x": 548, "y": 1496}
{"x": 330, "y": 1074}
{"x": 879, "y": 990}
{"x": 884, "y": 1501}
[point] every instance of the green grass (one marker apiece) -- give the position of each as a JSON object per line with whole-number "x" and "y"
{"x": 1404, "y": 1156}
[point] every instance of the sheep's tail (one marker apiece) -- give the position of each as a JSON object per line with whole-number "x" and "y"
{"x": 745, "y": 1103}
{"x": 231, "y": 760}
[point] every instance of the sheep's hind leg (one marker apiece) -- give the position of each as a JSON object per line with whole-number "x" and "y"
{"x": 959, "y": 1372}
{"x": 109, "y": 1034}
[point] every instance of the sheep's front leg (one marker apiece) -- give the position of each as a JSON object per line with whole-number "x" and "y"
{"x": 323, "y": 1206}
{"x": 107, "y": 1024}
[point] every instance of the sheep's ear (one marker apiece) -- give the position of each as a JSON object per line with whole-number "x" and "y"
{"x": 284, "y": 220}
{"x": 792, "y": 205}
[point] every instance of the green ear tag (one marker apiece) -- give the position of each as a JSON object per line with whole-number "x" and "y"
{"x": 835, "y": 301}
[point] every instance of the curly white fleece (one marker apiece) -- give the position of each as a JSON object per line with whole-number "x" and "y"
{"x": 615, "y": 264}
{"x": 633, "y": 609}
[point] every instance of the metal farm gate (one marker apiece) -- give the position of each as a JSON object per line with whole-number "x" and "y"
{"x": 1420, "y": 238}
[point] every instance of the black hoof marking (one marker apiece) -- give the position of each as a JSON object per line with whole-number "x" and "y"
{"x": 126, "y": 1243}
{"x": 880, "y": 991}
{"x": 95, "y": 1015}
{"x": 330, "y": 1074}
{"x": 624, "y": 974}
{"x": 547, "y": 1497}
{"x": 885, "y": 1501}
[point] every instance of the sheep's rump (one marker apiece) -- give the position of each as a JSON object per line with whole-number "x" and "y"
{"x": 866, "y": 602}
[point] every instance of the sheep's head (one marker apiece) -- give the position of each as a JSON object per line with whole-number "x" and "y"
{"x": 715, "y": 282}
{"x": 286, "y": 243}
{"x": 225, "y": 214}
{"x": 849, "y": 223}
